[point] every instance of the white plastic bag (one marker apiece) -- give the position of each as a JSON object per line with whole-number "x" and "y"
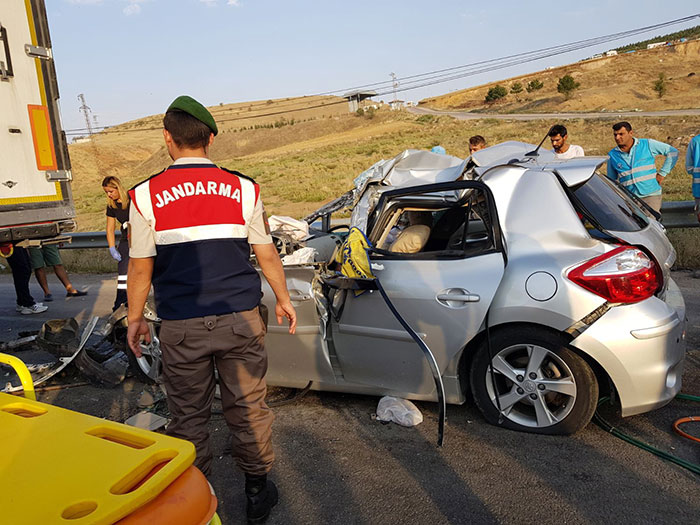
{"x": 399, "y": 411}
{"x": 301, "y": 256}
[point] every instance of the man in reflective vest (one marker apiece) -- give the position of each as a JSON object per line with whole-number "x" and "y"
{"x": 633, "y": 164}
{"x": 692, "y": 166}
{"x": 192, "y": 227}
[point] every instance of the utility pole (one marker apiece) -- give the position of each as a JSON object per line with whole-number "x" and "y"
{"x": 86, "y": 112}
{"x": 394, "y": 83}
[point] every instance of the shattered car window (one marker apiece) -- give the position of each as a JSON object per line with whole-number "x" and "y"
{"x": 609, "y": 206}
{"x": 461, "y": 230}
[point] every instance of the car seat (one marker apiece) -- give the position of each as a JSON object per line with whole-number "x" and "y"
{"x": 411, "y": 240}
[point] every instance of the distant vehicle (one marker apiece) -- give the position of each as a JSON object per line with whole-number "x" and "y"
{"x": 655, "y": 45}
{"x": 35, "y": 194}
{"x": 567, "y": 273}
{"x": 596, "y": 56}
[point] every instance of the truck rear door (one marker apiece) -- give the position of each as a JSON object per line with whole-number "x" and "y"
{"x": 35, "y": 193}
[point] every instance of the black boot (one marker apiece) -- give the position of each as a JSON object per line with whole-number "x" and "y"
{"x": 261, "y": 495}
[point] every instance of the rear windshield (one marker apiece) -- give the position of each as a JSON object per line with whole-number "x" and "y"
{"x": 609, "y": 206}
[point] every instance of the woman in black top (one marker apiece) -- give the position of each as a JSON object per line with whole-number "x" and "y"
{"x": 118, "y": 210}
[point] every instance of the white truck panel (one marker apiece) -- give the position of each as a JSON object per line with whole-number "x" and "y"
{"x": 18, "y": 163}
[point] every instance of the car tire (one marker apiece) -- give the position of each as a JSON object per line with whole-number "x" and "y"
{"x": 148, "y": 367}
{"x": 544, "y": 386}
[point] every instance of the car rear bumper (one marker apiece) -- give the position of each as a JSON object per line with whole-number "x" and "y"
{"x": 642, "y": 348}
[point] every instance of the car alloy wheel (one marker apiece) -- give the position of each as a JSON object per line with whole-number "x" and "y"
{"x": 543, "y": 385}
{"x": 148, "y": 367}
{"x": 535, "y": 387}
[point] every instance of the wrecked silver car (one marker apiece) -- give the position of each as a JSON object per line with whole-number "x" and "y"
{"x": 536, "y": 286}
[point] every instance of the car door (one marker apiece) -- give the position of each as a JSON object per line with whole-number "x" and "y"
{"x": 443, "y": 291}
{"x": 294, "y": 360}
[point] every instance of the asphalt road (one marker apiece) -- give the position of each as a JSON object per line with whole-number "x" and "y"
{"x": 335, "y": 464}
{"x": 466, "y": 115}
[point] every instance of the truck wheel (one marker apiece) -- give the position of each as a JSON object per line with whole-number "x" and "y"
{"x": 543, "y": 386}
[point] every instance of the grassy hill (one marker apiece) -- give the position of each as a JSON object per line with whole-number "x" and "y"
{"x": 313, "y": 155}
{"x": 302, "y": 165}
{"x": 619, "y": 83}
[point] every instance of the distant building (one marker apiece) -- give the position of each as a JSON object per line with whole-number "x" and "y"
{"x": 396, "y": 105}
{"x": 611, "y": 53}
{"x": 596, "y": 56}
{"x": 354, "y": 98}
{"x": 655, "y": 44}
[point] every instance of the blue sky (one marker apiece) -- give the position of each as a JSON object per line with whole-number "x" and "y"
{"x": 132, "y": 57}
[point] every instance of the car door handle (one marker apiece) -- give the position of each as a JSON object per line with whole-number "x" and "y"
{"x": 456, "y": 298}
{"x": 299, "y": 297}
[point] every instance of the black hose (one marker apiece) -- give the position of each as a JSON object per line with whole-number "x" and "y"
{"x": 602, "y": 423}
{"x": 296, "y": 397}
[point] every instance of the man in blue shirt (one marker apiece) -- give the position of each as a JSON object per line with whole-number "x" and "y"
{"x": 632, "y": 164}
{"x": 692, "y": 166}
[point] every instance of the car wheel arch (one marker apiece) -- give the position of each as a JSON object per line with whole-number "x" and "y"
{"x": 465, "y": 358}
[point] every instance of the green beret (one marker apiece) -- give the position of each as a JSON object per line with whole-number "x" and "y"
{"x": 194, "y": 108}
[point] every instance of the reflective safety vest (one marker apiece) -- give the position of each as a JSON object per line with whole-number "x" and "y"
{"x": 692, "y": 164}
{"x": 637, "y": 172}
{"x": 199, "y": 215}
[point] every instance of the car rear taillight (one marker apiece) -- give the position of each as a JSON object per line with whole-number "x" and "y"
{"x": 624, "y": 275}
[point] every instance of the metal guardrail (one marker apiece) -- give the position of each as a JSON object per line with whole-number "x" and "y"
{"x": 674, "y": 214}
{"x": 82, "y": 240}
{"x": 679, "y": 214}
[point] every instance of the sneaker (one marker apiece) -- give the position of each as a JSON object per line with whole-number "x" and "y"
{"x": 48, "y": 297}
{"x": 36, "y": 308}
{"x": 261, "y": 496}
{"x": 76, "y": 293}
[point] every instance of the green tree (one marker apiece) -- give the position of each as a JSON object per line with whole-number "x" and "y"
{"x": 567, "y": 85}
{"x": 496, "y": 93}
{"x": 533, "y": 85}
{"x": 660, "y": 85}
{"x": 516, "y": 88}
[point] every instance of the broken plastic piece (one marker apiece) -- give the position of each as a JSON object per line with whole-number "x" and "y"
{"x": 147, "y": 420}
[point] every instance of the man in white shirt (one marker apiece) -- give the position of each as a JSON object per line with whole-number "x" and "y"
{"x": 562, "y": 150}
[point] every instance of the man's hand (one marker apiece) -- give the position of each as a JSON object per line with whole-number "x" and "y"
{"x": 271, "y": 266}
{"x": 288, "y": 311}
{"x": 660, "y": 179}
{"x": 137, "y": 329}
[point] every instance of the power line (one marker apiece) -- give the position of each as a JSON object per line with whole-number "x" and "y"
{"x": 442, "y": 75}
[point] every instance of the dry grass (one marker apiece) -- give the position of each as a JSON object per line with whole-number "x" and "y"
{"x": 306, "y": 164}
{"x": 620, "y": 83}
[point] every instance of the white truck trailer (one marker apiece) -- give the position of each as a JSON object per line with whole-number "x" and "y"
{"x": 35, "y": 194}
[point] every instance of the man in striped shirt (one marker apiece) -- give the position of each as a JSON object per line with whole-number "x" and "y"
{"x": 632, "y": 164}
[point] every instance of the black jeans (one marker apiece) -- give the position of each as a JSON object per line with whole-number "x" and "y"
{"x": 21, "y": 272}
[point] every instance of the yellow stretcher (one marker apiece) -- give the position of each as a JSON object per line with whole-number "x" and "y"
{"x": 59, "y": 466}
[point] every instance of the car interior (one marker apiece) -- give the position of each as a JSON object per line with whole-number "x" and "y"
{"x": 459, "y": 230}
